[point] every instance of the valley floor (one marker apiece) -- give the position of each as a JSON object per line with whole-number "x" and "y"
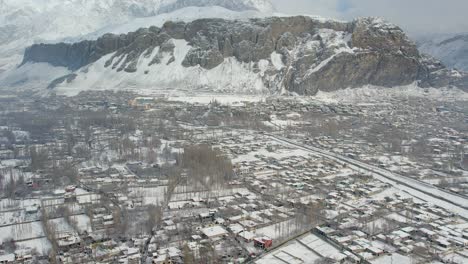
{"x": 116, "y": 176}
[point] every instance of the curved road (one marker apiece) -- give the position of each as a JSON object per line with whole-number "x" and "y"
{"x": 452, "y": 202}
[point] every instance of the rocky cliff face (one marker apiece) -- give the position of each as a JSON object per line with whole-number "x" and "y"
{"x": 295, "y": 54}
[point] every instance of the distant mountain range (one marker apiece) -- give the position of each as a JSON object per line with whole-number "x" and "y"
{"x": 451, "y": 49}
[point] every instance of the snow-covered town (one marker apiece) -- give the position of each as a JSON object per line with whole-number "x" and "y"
{"x": 121, "y": 178}
{"x": 233, "y": 132}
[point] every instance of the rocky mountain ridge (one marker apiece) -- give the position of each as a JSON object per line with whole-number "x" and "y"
{"x": 285, "y": 54}
{"x": 26, "y": 22}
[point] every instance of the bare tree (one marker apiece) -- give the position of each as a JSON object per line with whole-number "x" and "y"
{"x": 207, "y": 168}
{"x": 49, "y": 230}
{"x": 151, "y": 156}
{"x": 38, "y": 158}
{"x": 71, "y": 142}
{"x": 189, "y": 257}
{"x": 65, "y": 173}
{"x": 121, "y": 220}
{"x": 9, "y": 245}
{"x": 154, "y": 217}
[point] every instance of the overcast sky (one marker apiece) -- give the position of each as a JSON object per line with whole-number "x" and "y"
{"x": 415, "y": 16}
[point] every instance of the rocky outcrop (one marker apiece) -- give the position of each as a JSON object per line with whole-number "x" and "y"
{"x": 377, "y": 35}
{"x": 356, "y": 70}
{"x": 314, "y": 54}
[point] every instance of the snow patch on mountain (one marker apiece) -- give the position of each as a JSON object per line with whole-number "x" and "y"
{"x": 167, "y": 76}
{"x": 277, "y": 60}
{"x": 375, "y": 94}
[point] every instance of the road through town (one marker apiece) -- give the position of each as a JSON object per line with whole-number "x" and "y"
{"x": 452, "y": 202}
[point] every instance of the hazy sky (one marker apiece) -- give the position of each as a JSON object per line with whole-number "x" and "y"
{"x": 415, "y": 16}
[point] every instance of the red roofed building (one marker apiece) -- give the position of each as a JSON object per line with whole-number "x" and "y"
{"x": 263, "y": 242}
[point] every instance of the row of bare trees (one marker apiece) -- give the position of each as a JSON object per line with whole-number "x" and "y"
{"x": 206, "y": 167}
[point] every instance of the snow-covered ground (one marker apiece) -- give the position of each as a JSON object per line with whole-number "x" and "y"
{"x": 279, "y": 230}
{"x": 42, "y": 245}
{"x": 393, "y": 258}
{"x": 151, "y": 195}
{"x": 22, "y": 231}
{"x": 9, "y": 204}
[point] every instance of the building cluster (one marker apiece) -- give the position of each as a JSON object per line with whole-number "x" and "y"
{"x": 100, "y": 178}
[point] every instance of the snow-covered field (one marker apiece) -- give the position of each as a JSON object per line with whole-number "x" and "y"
{"x": 42, "y": 245}
{"x": 8, "y": 204}
{"x": 151, "y": 195}
{"x": 208, "y": 194}
{"x": 22, "y": 231}
{"x": 279, "y": 230}
{"x": 294, "y": 252}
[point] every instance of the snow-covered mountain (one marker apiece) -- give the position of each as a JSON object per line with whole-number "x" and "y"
{"x": 25, "y": 22}
{"x": 299, "y": 55}
{"x": 75, "y": 45}
{"x": 451, "y": 49}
